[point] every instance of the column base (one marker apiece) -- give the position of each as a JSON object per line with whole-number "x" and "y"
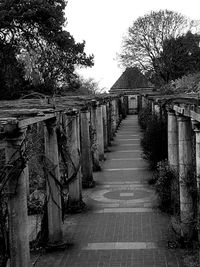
{"x": 88, "y": 184}
{"x": 53, "y": 246}
{"x": 102, "y": 158}
{"x": 185, "y": 233}
{"x": 96, "y": 168}
{"x": 76, "y": 207}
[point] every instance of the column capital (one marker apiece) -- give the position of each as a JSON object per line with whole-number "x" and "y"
{"x": 51, "y": 123}
{"x": 13, "y": 132}
{"x": 73, "y": 112}
{"x": 195, "y": 125}
{"x": 170, "y": 111}
{"x": 84, "y": 109}
{"x": 182, "y": 118}
{"x": 99, "y": 104}
{"x": 94, "y": 103}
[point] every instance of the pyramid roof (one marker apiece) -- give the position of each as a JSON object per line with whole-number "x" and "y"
{"x": 131, "y": 79}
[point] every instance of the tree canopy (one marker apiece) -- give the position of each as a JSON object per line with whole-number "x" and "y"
{"x": 144, "y": 42}
{"x": 33, "y": 30}
{"x": 180, "y": 56}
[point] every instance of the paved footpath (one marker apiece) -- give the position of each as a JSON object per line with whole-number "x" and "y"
{"x": 121, "y": 227}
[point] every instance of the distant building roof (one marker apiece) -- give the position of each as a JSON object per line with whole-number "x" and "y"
{"x": 131, "y": 79}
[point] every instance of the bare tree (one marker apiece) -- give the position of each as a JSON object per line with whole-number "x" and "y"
{"x": 90, "y": 86}
{"x": 143, "y": 43}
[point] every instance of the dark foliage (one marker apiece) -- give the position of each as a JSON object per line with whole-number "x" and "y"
{"x": 164, "y": 179}
{"x": 154, "y": 140}
{"x": 180, "y": 56}
{"x": 12, "y": 81}
{"x": 143, "y": 117}
{"x": 39, "y": 49}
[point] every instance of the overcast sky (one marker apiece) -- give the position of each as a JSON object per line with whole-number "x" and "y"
{"x": 102, "y": 23}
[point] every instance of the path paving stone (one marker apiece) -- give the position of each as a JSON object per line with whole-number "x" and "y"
{"x": 121, "y": 226}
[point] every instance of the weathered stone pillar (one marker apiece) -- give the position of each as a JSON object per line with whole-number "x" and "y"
{"x": 139, "y": 103}
{"x": 173, "y": 159}
{"x": 117, "y": 112}
{"x": 53, "y": 189}
{"x": 17, "y": 202}
{"x": 113, "y": 117}
{"x": 123, "y": 109}
{"x": 86, "y": 156}
{"x": 100, "y": 133}
{"x": 95, "y": 152}
{"x": 105, "y": 126}
{"x": 126, "y": 104}
{"x": 120, "y": 109}
{"x": 197, "y": 135}
{"x": 144, "y": 102}
{"x": 150, "y": 103}
{"x": 173, "y": 141}
{"x": 73, "y": 135}
{"x": 109, "y": 122}
{"x": 156, "y": 109}
{"x": 185, "y": 166}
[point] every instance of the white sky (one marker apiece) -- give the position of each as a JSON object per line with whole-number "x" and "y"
{"x": 102, "y": 23}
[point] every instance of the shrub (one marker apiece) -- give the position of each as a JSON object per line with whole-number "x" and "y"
{"x": 191, "y": 258}
{"x": 143, "y": 117}
{"x": 154, "y": 140}
{"x": 164, "y": 179}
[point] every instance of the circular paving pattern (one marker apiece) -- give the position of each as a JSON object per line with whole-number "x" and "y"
{"x": 128, "y": 194}
{"x": 123, "y": 196}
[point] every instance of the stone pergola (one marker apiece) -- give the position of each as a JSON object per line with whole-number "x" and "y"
{"x": 101, "y": 113}
{"x": 183, "y": 121}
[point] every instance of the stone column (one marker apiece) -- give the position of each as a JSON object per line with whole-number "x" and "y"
{"x": 150, "y": 105}
{"x": 197, "y": 135}
{"x": 185, "y": 166}
{"x": 123, "y": 111}
{"x": 126, "y": 104}
{"x": 157, "y": 109}
{"x": 17, "y": 201}
{"x": 105, "y": 126}
{"x": 173, "y": 141}
{"x": 173, "y": 159}
{"x": 139, "y": 103}
{"x": 117, "y": 112}
{"x": 100, "y": 133}
{"x": 75, "y": 185}
{"x": 53, "y": 189}
{"x": 86, "y": 156}
{"x": 113, "y": 117}
{"x": 109, "y": 122}
{"x": 95, "y": 152}
{"x": 144, "y": 102}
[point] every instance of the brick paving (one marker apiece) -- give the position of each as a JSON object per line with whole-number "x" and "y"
{"x": 121, "y": 226}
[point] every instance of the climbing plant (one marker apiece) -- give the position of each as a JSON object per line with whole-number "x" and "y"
{"x": 41, "y": 169}
{"x": 154, "y": 139}
{"x": 165, "y": 179}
